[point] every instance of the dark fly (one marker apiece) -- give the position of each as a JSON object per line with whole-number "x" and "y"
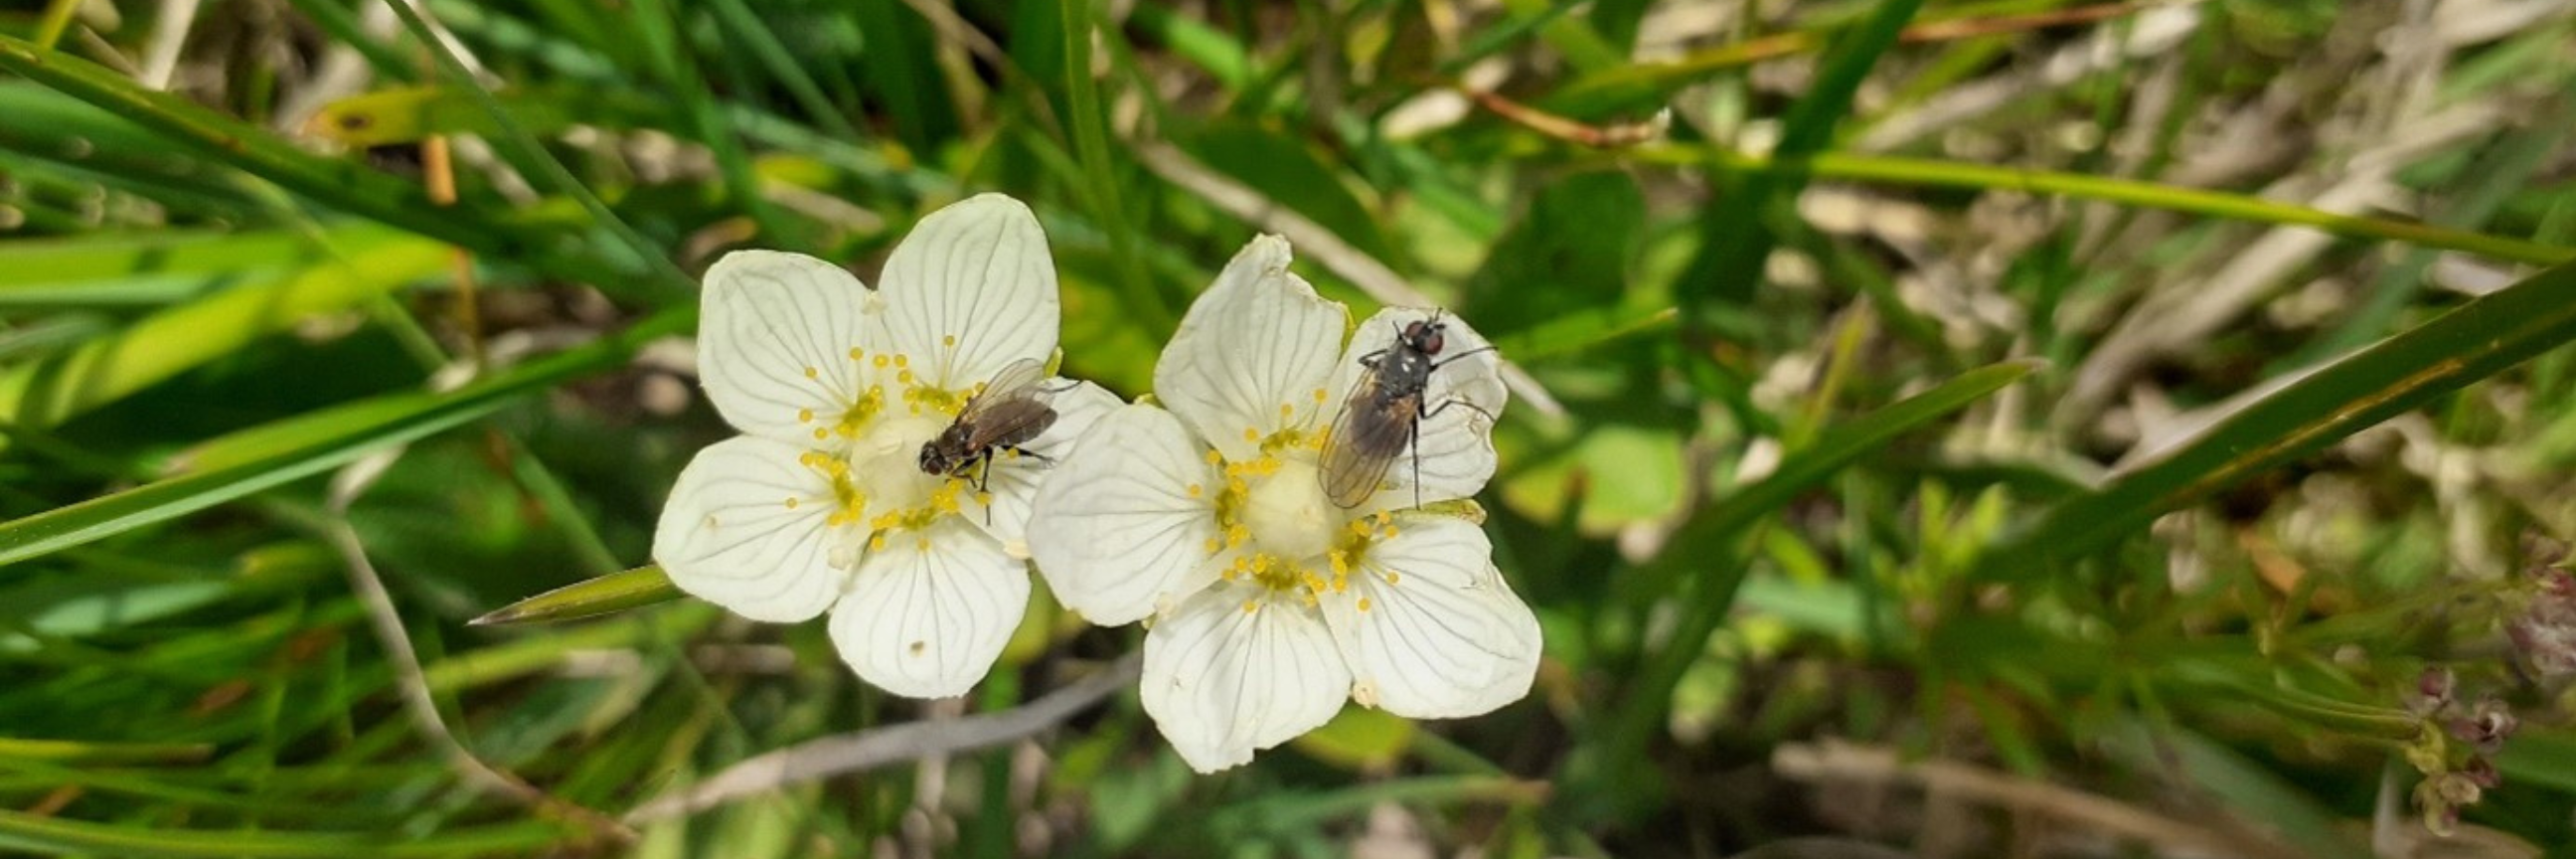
{"x": 1009, "y": 413}
{"x": 1384, "y": 413}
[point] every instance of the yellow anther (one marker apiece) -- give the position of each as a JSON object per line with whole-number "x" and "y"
{"x": 904, "y": 377}
{"x": 804, "y": 416}
{"x": 902, "y": 360}
{"x": 1392, "y": 577}
{"x": 984, "y": 498}
{"x": 1286, "y": 410}
{"x": 922, "y": 545}
{"x": 1320, "y": 395}
{"x": 948, "y": 339}
{"x": 1251, "y": 434}
{"x": 1215, "y": 545}
{"x": 857, "y": 353}
{"x": 821, "y": 433}
{"x": 876, "y": 542}
{"x": 1364, "y": 603}
{"x": 812, "y": 373}
{"x": 1249, "y": 606}
{"x": 880, "y": 360}
{"x": 1197, "y": 490}
{"x": 1215, "y": 458}
{"x": 791, "y": 502}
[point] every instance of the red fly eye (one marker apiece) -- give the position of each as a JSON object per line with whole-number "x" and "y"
{"x": 1432, "y": 341}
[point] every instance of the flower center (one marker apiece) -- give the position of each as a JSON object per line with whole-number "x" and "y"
{"x": 1285, "y": 509}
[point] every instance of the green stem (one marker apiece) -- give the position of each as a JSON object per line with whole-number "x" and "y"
{"x": 1948, "y": 174}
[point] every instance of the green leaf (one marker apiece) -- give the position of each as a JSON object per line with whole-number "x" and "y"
{"x": 607, "y": 594}
{"x": 2471, "y": 342}
{"x": 368, "y": 429}
{"x": 51, "y": 835}
{"x": 1363, "y": 739}
{"x": 78, "y": 752}
{"x": 45, "y": 393}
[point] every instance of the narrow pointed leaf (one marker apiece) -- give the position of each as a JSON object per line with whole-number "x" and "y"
{"x": 607, "y": 594}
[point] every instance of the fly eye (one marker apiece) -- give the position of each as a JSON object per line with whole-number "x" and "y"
{"x": 1432, "y": 341}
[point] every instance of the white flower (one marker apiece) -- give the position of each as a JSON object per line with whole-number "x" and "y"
{"x": 821, "y": 504}
{"x": 1270, "y": 604}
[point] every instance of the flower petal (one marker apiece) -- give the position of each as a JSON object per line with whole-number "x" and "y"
{"x": 774, "y": 341}
{"x": 1013, "y": 481}
{"x": 730, "y": 535}
{"x": 1252, "y": 353}
{"x": 970, "y": 291}
{"x": 1117, "y": 531}
{"x": 1429, "y": 626}
{"x": 1454, "y": 446}
{"x": 1223, "y": 681}
{"x": 929, "y": 612}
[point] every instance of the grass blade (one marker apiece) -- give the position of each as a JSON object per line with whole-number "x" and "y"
{"x": 418, "y": 415}
{"x": 40, "y": 834}
{"x": 1735, "y": 238}
{"x": 2402, "y": 372}
{"x": 607, "y": 594}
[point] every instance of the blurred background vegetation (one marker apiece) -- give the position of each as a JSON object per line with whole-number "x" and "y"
{"x": 2004, "y": 427}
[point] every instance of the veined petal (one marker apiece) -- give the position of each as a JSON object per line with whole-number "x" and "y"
{"x": 1454, "y": 448}
{"x": 1013, "y": 481}
{"x": 929, "y": 611}
{"x": 1231, "y": 672}
{"x": 970, "y": 291}
{"x": 1429, "y": 626}
{"x": 774, "y": 342}
{"x": 1252, "y": 353}
{"x": 1121, "y": 527}
{"x": 746, "y": 528}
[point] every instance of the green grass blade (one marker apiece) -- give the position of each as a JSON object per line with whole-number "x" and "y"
{"x": 1575, "y": 332}
{"x": 1948, "y": 174}
{"x": 344, "y": 185}
{"x": 418, "y": 416}
{"x": 607, "y": 594}
{"x": 2469, "y": 343}
{"x": 1735, "y": 236}
{"x": 56, "y": 836}
{"x": 42, "y": 394}
{"x": 100, "y": 753}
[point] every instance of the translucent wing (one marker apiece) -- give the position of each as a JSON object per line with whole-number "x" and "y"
{"x": 1011, "y": 410}
{"x": 1367, "y": 437}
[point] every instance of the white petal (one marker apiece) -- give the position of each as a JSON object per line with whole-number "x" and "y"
{"x": 1446, "y": 637}
{"x": 1117, "y": 531}
{"x": 1014, "y": 480}
{"x": 1454, "y": 447}
{"x": 970, "y": 291}
{"x": 1222, "y": 682}
{"x": 774, "y": 341}
{"x": 728, "y": 535}
{"x": 1258, "y": 340}
{"x": 929, "y": 612}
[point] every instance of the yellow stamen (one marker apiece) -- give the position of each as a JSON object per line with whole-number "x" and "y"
{"x": 791, "y": 502}
{"x": 857, "y": 353}
{"x": 804, "y": 416}
{"x": 811, "y": 373}
{"x": 1364, "y": 603}
{"x": 948, "y": 340}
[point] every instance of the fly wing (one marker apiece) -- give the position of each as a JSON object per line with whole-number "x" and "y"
{"x": 1011, "y": 410}
{"x": 1367, "y": 437}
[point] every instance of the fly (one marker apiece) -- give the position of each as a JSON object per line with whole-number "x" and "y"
{"x": 1383, "y": 414}
{"x": 1009, "y": 413}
